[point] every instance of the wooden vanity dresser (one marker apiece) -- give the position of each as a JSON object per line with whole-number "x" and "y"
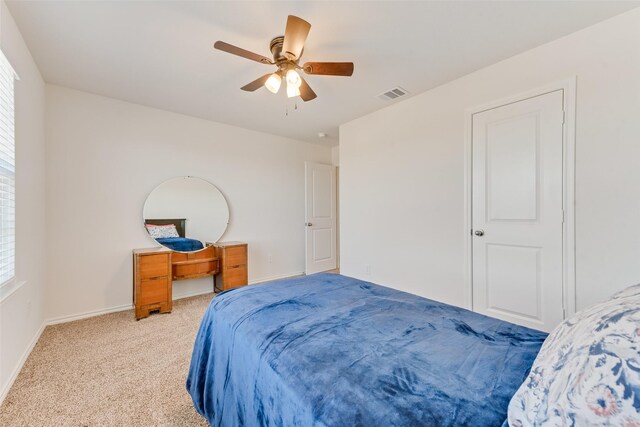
{"x": 155, "y": 269}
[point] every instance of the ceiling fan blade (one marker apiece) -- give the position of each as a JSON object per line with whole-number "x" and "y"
{"x": 256, "y": 84}
{"x": 329, "y": 68}
{"x": 295, "y": 34}
{"x": 306, "y": 93}
{"x": 229, "y": 48}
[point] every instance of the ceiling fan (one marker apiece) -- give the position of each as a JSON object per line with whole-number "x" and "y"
{"x": 286, "y": 51}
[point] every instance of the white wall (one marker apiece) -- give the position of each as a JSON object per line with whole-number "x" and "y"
{"x": 402, "y": 169}
{"x": 104, "y": 157}
{"x": 21, "y": 311}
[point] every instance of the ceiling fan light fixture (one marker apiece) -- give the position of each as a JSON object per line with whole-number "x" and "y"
{"x": 273, "y": 83}
{"x": 292, "y": 90}
{"x": 287, "y": 51}
{"x": 293, "y": 78}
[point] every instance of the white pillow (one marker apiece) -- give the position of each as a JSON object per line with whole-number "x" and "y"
{"x": 162, "y": 231}
{"x": 588, "y": 370}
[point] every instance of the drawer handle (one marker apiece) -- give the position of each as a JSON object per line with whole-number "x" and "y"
{"x": 235, "y": 266}
{"x": 155, "y": 278}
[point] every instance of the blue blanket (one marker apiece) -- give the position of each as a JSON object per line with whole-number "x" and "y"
{"x": 181, "y": 244}
{"x": 328, "y": 350}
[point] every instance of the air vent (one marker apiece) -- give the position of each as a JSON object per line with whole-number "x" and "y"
{"x": 394, "y": 93}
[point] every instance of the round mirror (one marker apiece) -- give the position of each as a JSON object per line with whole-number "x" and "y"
{"x": 185, "y": 213}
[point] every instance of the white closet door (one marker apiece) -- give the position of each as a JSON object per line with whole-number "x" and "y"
{"x": 517, "y": 211}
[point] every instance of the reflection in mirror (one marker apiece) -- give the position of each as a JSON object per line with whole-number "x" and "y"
{"x": 185, "y": 213}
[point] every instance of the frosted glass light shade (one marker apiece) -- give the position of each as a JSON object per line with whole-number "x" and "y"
{"x": 293, "y": 78}
{"x": 273, "y": 83}
{"x": 292, "y": 90}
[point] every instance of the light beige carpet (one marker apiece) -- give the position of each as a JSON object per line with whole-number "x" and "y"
{"x": 110, "y": 370}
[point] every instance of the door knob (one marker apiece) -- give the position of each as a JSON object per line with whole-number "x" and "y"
{"x": 479, "y": 233}
{"x": 308, "y": 224}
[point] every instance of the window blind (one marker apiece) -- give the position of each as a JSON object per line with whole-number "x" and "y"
{"x": 7, "y": 173}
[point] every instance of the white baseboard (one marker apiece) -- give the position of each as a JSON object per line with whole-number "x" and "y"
{"x": 21, "y": 362}
{"x": 193, "y": 294}
{"x": 87, "y": 314}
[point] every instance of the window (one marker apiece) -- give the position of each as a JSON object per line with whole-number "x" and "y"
{"x": 7, "y": 174}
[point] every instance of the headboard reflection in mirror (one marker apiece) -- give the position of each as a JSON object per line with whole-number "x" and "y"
{"x": 185, "y": 212}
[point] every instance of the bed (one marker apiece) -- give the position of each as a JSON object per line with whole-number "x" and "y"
{"x": 180, "y": 243}
{"x": 328, "y": 350}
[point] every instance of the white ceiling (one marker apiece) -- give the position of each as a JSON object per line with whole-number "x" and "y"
{"x": 160, "y": 54}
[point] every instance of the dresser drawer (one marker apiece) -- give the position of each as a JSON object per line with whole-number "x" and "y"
{"x": 235, "y": 256}
{"x": 234, "y": 277}
{"x": 154, "y": 266}
{"x": 153, "y": 291}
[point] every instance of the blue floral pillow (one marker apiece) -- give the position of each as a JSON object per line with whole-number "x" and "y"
{"x": 588, "y": 370}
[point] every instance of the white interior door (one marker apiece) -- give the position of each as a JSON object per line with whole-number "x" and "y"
{"x": 320, "y": 223}
{"x": 517, "y": 211}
